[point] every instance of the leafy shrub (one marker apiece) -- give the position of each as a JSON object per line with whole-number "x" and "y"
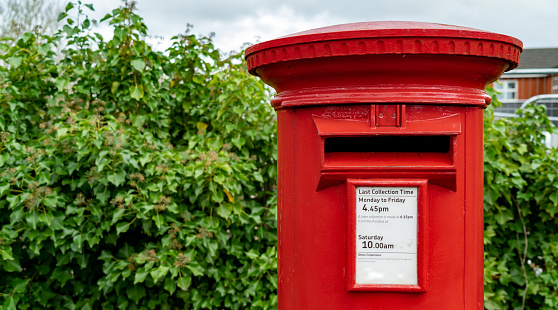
{"x": 131, "y": 178}
{"x": 521, "y": 206}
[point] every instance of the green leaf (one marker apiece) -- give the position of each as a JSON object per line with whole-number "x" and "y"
{"x": 138, "y": 121}
{"x": 20, "y": 285}
{"x": 126, "y": 250}
{"x": 50, "y": 201}
{"x": 44, "y": 49}
{"x": 136, "y": 92}
{"x": 72, "y": 166}
{"x": 61, "y": 132}
{"x": 46, "y": 218}
{"x": 17, "y": 213}
{"x": 224, "y": 210}
{"x": 69, "y": 6}
{"x": 199, "y": 79}
{"x": 158, "y": 219}
{"x": 122, "y": 227}
{"x": 118, "y": 178}
{"x": 140, "y": 276}
{"x": 62, "y": 274}
{"x": 44, "y": 177}
{"x": 7, "y": 253}
{"x": 105, "y": 18}
{"x": 258, "y": 177}
{"x": 113, "y": 124}
{"x": 105, "y": 256}
{"x": 4, "y": 188}
{"x": 196, "y": 269}
{"x": 12, "y": 265}
{"x": 252, "y": 254}
{"x": 159, "y": 273}
{"x": 170, "y": 285}
{"x": 13, "y": 200}
{"x": 215, "y": 143}
{"x": 90, "y": 6}
{"x": 238, "y": 141}
{"x": 61, "y": 84}
{"x": 86, "y": 23}
{"x": 217, "y": 196}
{"x": 11, "y": 303}
{"x": 198, "y": 172}
{"x": 61, "y": 16}
{"x": 114, "y": 87}
{"x": 138, "y": 64}
{"x": 117, "y": 215}
{"x": 32, "y": 218}
{"x": 15, "y": 61}
{"x": 145, "y": 159}
{"x": 553, "y": 197}
{"x": 70, "y": 31}
{"x": 103, "y": 197}
{"x": 219, "y": 178}
{"x": 503, "y": 216}
{"x": 184, "y": 282}
{"x": 135, "y": 292}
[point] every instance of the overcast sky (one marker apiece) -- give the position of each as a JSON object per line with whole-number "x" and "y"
{"x": 235, "y": 22}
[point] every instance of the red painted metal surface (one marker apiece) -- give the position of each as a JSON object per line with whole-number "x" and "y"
{"x": 379, "y": 104}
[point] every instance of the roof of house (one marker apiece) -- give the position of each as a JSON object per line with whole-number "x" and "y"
{"x": 533, "y": 58}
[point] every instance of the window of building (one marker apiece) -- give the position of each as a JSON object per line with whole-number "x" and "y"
{"x": 507, "y": 90}
{"x": 555, "y": 84}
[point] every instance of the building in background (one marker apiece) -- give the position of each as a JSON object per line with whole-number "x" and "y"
{"x": 534, "y": 80}
{"x": 537, "y": 74}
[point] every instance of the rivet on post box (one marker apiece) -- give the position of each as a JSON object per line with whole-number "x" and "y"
{"x": 380, "y": 162}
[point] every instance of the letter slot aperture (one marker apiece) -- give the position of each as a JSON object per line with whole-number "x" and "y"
{"x": 405, "y": 144}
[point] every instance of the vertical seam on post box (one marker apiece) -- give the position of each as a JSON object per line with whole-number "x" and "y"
{"x": 464, "y": 208}
{"x": 294, "y": 161}
{"x": 294, "y": 207}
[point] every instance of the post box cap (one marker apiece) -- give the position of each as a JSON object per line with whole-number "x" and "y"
{"x": 385, "y": 37}
{"x": 389, "y": 61}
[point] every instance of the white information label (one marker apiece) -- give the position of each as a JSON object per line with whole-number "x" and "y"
{"x": 386, "y": 235}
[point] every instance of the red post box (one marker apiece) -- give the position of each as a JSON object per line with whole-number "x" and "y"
{"x": 380, "y": 136}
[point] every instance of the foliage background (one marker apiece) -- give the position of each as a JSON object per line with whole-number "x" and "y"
{"x": 136, "y": 179}
{"x": 521, "y": 206}
{"x": 132, "y": 178}
{"x": 20, "y": 16}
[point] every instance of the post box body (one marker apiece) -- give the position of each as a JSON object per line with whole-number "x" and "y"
{"x": 314, "y": 226}
{"x": 380, "y": 163}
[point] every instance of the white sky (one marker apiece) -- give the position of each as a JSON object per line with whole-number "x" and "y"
{"x": 235, "y": 22}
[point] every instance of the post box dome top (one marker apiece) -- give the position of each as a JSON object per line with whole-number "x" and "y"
{"x": 385, "y": 37}
{"x": 389, "y": 62}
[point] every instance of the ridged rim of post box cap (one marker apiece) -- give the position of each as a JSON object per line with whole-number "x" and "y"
{"x": 385, "y": 37}
{"x": 388, "y": 62}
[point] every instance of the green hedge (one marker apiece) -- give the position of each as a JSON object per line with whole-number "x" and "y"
{"x": 521, "y": 206}
{"x": 131, "y": 178}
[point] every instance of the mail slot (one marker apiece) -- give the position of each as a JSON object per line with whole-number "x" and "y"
{"x": 405, "y": 144}
{"x": 380, "y": 162}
